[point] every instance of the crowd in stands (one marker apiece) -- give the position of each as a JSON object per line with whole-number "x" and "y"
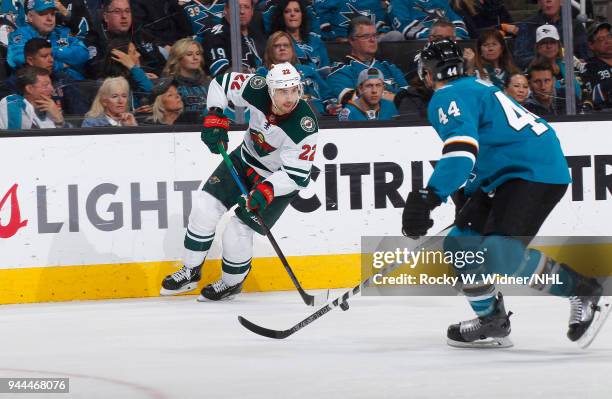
{"x": 94, "y": 63}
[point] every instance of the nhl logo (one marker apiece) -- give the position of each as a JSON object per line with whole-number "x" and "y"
{"x": 308, "y": 124}
{"x": 257, "y": 82}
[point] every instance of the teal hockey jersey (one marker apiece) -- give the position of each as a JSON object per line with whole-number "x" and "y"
{"x": 490, "y": 139}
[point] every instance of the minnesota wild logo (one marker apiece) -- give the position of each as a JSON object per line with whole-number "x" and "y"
{"x": 259, "y": 143}
{"x": 308, "y": 124}
{"x": 257, "y": 82}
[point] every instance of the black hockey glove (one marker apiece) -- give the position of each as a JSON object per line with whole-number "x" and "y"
{"x": 416, "y": 218}
{"x": 459, "y": 198}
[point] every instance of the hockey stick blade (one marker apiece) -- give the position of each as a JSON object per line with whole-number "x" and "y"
{"x": 281, "y": 334}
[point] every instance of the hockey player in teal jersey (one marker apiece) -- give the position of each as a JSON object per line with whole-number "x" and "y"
{"x": 514, "y": 173}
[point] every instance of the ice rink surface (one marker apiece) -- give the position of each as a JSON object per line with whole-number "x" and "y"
{"x": 383, "y": 347}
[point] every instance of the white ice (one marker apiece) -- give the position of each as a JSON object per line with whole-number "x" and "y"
{"x": 383, "y": 347}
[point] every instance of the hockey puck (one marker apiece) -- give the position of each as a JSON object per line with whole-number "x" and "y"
{"x": 344, "y": 306}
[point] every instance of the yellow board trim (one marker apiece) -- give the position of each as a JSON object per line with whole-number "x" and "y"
{"x": 138, "y": 280}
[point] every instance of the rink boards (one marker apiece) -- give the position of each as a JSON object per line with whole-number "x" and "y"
{"x": 103, "y": 216}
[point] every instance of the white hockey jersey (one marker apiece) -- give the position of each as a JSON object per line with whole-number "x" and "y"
{"x": 280, "y": 148}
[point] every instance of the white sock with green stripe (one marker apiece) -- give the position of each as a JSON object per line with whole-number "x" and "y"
{"x": 234, "y": 272}
{"x": 205, "y": 214}
{"x": 196, "y": 248}
{"x": 237, "y": 243}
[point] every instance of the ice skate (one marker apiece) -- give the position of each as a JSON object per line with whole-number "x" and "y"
{"x": 483, "y": 332}
{"x": 219, "y": 291}
{"x": 183, "y": 280}
{"x": 587, "y": 315}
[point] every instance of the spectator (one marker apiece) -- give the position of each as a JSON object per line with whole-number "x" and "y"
{"x": 33, "y": 107}
{"x": 117, "y": 24}
{"x": 543, "y": 99}
{"x": 316, "y": 91}
{"x": 444, "y": 29}
{"x": 598, "y": 72}
{"x": 414, "y": 18}
{"x": 479, "y": 15}
{"x": 270, "y": 9}
{"x": 517, "y": 87}
{"x": 69, "y": 53}
{"x": 549, "y": 13}
{"x": 291, "y": 16}
{"x": 336, "y": 15}
{"x": 185, "y": 65}
{"x": 203, "y": 14}
{"x": 13, "y": 12}
{"x": 493, "y": 60}
{"x": 109, "y": 108}
{"x": 362, "y": 39}
{"x": 123, "y": 59}
{"x": 217, "y": 42}
{"x": 369, "y": 104}
{"x": 167, "y": 103}
{"x": 75, "y": 15}
{"x": 548, "y": 47}
{"x": 162, "y": 19}
{"x": 38, "y": 53}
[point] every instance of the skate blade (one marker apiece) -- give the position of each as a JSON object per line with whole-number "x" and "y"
{"x": 187, "y": 288}
{"x": 599, "y": 319}
{"x": 201, "y": 298}
{"x": 489, "y": 343}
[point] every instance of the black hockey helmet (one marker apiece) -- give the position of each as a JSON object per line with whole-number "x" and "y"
{"x": 443, "y": 58}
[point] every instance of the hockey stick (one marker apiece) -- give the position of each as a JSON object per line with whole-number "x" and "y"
{"x": 280, "y": 334}
{"x": 308, "y": 299}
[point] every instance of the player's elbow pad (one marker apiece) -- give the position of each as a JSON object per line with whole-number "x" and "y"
{"x": 450, "y": 174}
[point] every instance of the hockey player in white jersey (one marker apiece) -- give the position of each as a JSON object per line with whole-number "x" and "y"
{"x": 274, "y": 161}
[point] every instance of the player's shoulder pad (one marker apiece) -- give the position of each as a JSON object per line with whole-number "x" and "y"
{"x": 301, "y": 123}
{"x": 461, "y": 91}
{"x": 256, "y": 93}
